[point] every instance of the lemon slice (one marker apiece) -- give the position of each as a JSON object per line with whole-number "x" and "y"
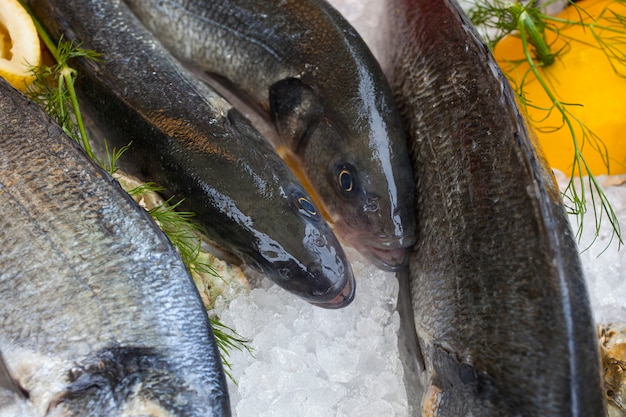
{"x": 19, "y": 45}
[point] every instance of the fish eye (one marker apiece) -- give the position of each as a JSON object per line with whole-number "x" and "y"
{"x": 307, "y": 206}
{"x": 346, "y": 179}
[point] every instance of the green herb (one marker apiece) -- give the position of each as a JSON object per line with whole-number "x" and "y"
{"x": 183, "y": 233}
{"x": 530, "y": 23}
{"x": 227, "y": 340}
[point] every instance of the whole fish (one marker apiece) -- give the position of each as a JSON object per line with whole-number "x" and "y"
{"x": 304, "y": 66}
{"x": 188, "y": 139}
{"x": 502, "y": 320}
{"x": 99, "y": 316}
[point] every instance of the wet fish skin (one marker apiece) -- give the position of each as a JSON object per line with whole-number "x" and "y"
{"x": 191, "y": 141}
{"x": 305, "y": 67}
{"x": 501, "y": 315}
{"x": 90, "y": 288}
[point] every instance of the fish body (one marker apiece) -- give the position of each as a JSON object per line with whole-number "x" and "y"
{"x": 188, "y": 139}
{"x": 307, "y": 69}
{"x": 99, "y": 316}
{"x": 502, "y": 320}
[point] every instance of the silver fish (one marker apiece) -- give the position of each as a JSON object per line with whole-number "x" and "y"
{"x": 303, "y": 65}
{"x": 99, "y": 316}
{"x": 188, "y": 139}
{"x": 502, "y": 318}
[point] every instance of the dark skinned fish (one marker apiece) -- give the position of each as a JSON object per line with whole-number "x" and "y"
{"x": 99, "y": 316}
{"x": 305, "y": 67}
{"x": 188, "y": 139}
{"x": 501, "y": 312}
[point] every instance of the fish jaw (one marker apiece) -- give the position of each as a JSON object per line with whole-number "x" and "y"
{"x": 342, "y": 299}
{"x": 386, "y": 253}
{"x": 313, "y": 284}
{"x": 311, "y": 264}
{"x": 323, "y": 90}
{"x": 128, "y": 381}
{"x": 387, "y": 259}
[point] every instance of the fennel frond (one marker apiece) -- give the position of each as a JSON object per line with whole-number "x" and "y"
{"x": 227, "y": 340}
{"x": 500, "y": 18}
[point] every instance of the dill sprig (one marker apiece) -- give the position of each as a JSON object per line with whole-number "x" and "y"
{"x": 500, "y": 18}
{"x": 183, "y": 232}
{"x": 54, "y": 86}
{"x": 111, "y": 157}
{"x": 53, "y": 89}
{"x": 227, "y": 340}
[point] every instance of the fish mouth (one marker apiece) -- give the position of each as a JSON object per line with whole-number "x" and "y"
{"x": 386, "y": 259}
{"x": 341, "y": 300}
{"x": 386, "y": 252}
{"x": 316, "y": 284}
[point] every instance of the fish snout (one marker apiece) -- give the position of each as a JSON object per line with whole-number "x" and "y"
{"x": 389, "y": 252}
{"x": 320, "y": 285}
{"x": 389, "y": 258}
{"x": 384, "y": 234}
{"x": 335, "y": 296}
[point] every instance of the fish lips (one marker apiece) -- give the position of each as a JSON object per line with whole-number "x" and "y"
{"x": 319, "y": 285}
{"x": 387, "y": 259}
{"x": 342, "y": 299}
{"x": 385, "y": 252}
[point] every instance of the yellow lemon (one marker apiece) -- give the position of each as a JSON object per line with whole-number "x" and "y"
{"x": 582, "y": 76}
{"x": 19, "y": 44}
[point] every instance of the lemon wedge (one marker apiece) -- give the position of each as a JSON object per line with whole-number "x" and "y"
{"x": 19, "y": 45}
{"x": 582, "y": 74}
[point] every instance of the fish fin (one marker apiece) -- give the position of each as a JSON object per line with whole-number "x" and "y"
{"x": 409, "y": 338}
{"x": 295, "y": 108}
{"x": 118, "y": 378}
{"x": 8, "y": 383}
{"x": 464, "y": 389}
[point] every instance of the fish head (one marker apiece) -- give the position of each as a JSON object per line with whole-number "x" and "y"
{"x": 286, "y": 237}
{"x": 362, "y": 180}
{"x": 133, "y": 381}
{"x": 367, "y": 212}
{"x": 300, "y": 252}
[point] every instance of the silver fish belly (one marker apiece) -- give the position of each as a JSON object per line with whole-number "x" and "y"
{"x": 191, "y": 141}
{"x": 502, "y": 319}
{"x": 308, "y": 70}
{"x": 99, "y": 316}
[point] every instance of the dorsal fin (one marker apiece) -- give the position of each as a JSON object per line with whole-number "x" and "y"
{"x": 7, "y": 382}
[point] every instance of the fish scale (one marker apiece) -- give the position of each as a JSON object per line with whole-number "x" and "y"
{"x": 189, "y": 140}
{"x": 300, "y": 64}
{"x": 79, "y": 288}
{"x": 497, "y": 304}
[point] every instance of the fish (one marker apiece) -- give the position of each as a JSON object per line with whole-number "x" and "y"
{"x": 499, "y": 321}
{"x": 99, "y": 315}
{"x": 191, "y": 141}
{"x": 306, "y": 70}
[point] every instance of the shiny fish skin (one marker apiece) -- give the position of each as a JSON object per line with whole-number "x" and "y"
{"x": 500, "y": 306}
{"x": 98, "y": 313}
{"x": 305, "y": 67}
{"x": 189, "y": 140}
